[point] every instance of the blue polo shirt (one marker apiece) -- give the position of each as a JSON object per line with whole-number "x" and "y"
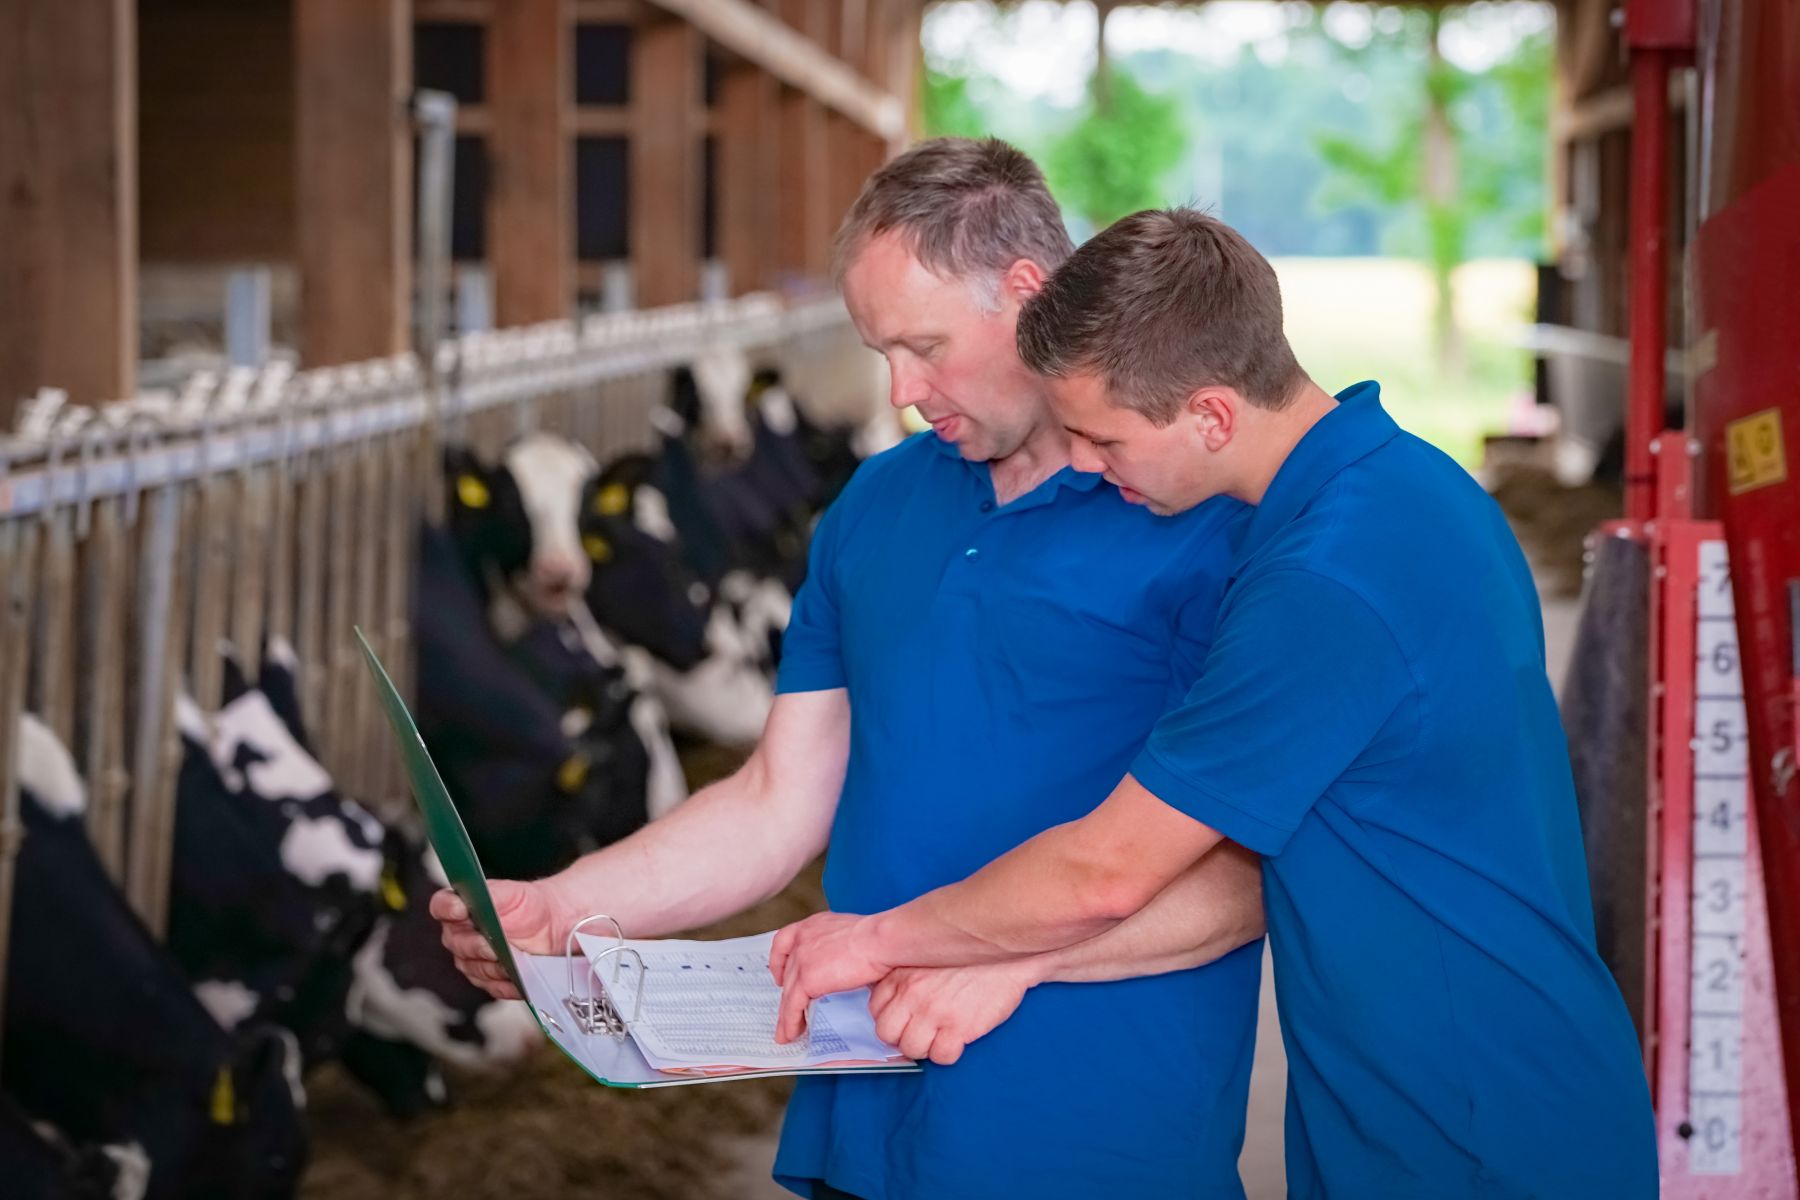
{"x": 1374, "y": 718}
{"x": 1004, "y": 664}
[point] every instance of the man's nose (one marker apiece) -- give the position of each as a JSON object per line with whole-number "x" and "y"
{"x": 906, "y": 388}
{"x": 1084, "y": 458}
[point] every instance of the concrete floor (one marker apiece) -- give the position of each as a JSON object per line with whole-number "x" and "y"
{"x": 1261, "y": 1165}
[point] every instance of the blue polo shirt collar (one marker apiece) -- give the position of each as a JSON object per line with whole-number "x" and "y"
{"x": 1356, "y": 428}
{"x": 1043, "y": 493}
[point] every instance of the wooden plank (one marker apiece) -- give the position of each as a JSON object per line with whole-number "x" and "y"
{"x": 68, "y": 200}
{"x": 105, "y": 588}
{"x": 18, "y": 551}
{"x": 591, "y": 120}
{"x": 749, "y": 183}
{"x": 798, "y": 59}
{"x": 804, "y": 230}
{"x": 531, "y": 233}
{"x": 665, "y": 163}
{"x": 54, "y": 666}
{"x": 353, "y": 177}
{"x": 805, "y": 219}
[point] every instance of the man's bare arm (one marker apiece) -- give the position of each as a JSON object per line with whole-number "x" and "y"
{"x": 732, "y": 844}
{"x": 728, "y": 847}
{"x": 1211, "y": 909}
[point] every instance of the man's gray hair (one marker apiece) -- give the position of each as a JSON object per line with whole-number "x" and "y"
{"x": 968, "y": 209}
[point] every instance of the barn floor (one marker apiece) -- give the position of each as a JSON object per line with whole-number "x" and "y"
{"x": 548, "y": 1131}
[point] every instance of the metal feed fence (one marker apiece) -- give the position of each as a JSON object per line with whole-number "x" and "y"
{"x": 137, "y": 537}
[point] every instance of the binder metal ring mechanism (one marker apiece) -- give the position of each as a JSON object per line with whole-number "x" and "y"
{"x": 719, "y": 1024}
{"x": 597, "y": 1012}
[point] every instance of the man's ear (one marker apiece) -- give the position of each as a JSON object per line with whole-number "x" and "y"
{"x": 1023, "y": 280}
{"x": 1215, "y": 412}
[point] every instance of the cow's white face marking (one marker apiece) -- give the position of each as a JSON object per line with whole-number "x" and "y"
{"x": 47, "y": 771}
{"x": 551, "y": 472}
{"x": 650, "y": 513}
{"x": 378, "y": 1005}
{"x": 285, "y": 771}
{"x": 228, "y": 1000}
{"x": 722, "y": 377}
{"x": 315, "y": 848}
{"x": 778, "y": 411}
{"x": 132, "y": 1163}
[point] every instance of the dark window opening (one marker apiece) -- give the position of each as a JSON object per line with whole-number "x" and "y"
{"x": 602, "y": 190}
{"x": 450, "y": 58}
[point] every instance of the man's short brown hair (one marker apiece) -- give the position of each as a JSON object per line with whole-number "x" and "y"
{"x": 965, "y": 208}
{"x": 1158, "y": 306}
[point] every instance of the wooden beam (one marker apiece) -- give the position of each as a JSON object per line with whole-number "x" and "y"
{"x": 353, "y": 177}
{"x": 452, "y": 12}
{"x": 595, "y": 121}
{"x": 797, "y": 58}
{"x": 68, "y": 200}
{"x": 665, "y": 162}
{"x": 748, "y": 164}
{"x": 531, "y": 232}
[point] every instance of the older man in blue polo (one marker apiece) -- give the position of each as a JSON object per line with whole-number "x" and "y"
{"x": 984, "y": 639}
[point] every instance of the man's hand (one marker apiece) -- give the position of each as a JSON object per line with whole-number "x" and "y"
{"x": 528, "y": 916}
{"x": 825, "y": 953}
{"x": 934, "y": 1012}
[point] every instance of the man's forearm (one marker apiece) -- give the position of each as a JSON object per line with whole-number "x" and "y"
{"x": 732, "y": 844}
{"x": 714, "y": 856}
{"x": 1068, "y": 884}
{"x": 1214, "y": 907}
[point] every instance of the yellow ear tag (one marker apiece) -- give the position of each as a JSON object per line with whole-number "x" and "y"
{"x": 224, "y": 1099}
{"x": 598, "y": 548}
{"x": 472, "y": 492}
{"x": 612, "y": 500}
{"x": 572, "y": 774}
{"x": 392, "y": 894}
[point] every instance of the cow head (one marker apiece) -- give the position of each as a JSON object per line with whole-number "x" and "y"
{"x": 639, "y": 587}
{"x": 518, "y": 521}
{"x": 409, "y": 1003}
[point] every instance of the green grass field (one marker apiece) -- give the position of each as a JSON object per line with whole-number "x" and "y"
{"x": 1370, "y": 318}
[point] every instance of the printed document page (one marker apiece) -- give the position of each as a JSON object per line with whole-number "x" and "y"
{"x": 710, "y": 1005}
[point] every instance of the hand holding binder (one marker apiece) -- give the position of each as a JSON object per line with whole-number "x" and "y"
{"x": 598, "y": 1001}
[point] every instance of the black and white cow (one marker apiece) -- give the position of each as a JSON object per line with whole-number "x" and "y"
{"x": 286, "y": 894}
{"x": 522, "y": 531}
{"x": 37, "y": 1163}
{"x": 408, "y": 996}
{"x": 105, "y": 1039}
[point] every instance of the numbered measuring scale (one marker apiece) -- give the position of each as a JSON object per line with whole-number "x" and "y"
{"x": 1721, "y": 1097}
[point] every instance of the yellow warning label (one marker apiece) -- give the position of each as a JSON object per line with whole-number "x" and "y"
{"x": 1754, "y": 456}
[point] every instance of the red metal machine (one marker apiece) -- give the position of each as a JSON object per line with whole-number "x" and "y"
{"x": 1718, "y": 508}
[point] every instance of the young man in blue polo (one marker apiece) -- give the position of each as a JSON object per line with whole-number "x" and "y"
{"x": 1372, "y": 717}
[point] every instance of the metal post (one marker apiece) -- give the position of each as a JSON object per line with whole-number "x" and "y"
{"x": 247, "y": 317}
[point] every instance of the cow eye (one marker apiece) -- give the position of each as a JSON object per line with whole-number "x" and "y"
{"x": 472, "y": 492}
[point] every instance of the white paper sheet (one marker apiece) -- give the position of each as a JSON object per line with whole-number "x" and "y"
{"x": 714, "y": 1004}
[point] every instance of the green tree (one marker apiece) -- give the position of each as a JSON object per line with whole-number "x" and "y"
{"x": 1116, "y": 157}
{"x": 1462, "y": 169}
{"x": 947, "y": 108}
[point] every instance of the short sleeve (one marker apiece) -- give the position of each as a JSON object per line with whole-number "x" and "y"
{"x": 812, "y": 648}
{"x": 1301, "y": 677}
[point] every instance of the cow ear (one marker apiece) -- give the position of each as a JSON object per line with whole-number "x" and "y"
{"x": 764, "y": 379}
{"x": 684, "y": 395}
{"x": 468, "y": 478}
{"x": 618, "y": 484}
{"x": 460, "y": 460}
